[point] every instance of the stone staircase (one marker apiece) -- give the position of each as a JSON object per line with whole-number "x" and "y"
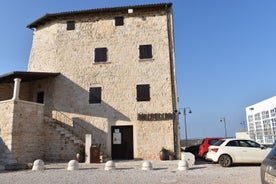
{"x": 68, "y": 134}
{"x": 65, "y": 130}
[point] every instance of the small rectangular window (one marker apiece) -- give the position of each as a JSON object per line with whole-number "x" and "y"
{"x": 100, "y": 55}
{"x": 143, "y": 92}
{"x": 145, "y": 51}
{"x": 95, "y": 95}
{"x": 119, "y": 21}
{"x": 40, "y": 97}
{"x": 70, "y": 25}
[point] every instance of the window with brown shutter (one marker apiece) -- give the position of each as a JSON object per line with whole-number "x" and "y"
{"x": 145, "y": 51}
{"x": 100, "y": 55}
{"x": 95, "y": 95}
{"x": 143, "y": 92}
{"x": 70, "y": 25}
{"x": 119, "y": 21}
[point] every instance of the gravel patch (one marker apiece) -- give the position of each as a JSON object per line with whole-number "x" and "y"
{"x": 130, "y": 172}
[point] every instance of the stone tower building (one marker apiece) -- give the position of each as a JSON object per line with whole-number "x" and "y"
{"x": 106, "y": 72}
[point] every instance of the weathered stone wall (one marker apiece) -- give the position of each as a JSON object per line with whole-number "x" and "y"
{"x": 154, "y": 136}
{"x": 27, "y": 144}
{"x": 72, "y": 53}
{"x": 29, "y": 90}
{"x": 6, "y": 91}
{"x": 6, "y": 119}
{"x": 56, "y": 146}
{"x": 6, "y": 122}
{"x": 25, "y": 91}
{"x": 21, "y": 128}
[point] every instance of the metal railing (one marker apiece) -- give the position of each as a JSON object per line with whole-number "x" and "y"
{"x": 69, "y": 124}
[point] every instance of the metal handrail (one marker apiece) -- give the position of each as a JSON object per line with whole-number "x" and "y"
{"x": 65, "y": 119}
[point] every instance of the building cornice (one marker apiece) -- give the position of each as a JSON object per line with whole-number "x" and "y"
{"x": 52, "y": 16}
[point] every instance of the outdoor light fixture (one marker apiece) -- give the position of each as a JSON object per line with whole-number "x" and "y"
{"x": 224, "y": 121}
{"x": 244, "y": 124}
{"x": 185, "y": 111}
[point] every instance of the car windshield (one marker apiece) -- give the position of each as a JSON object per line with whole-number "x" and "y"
{"x": 219, "y": 142}
{"x": 213, "y": 141}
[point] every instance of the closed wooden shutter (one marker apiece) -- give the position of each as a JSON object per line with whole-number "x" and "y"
{"x": 145, "y": 51}
{"x": 95, "y": 95}
{"x": 70, "y": 25}
{"x": 143, "y": 92}
{"x": 100, "y": 54}
{"x": 119, "y": 21}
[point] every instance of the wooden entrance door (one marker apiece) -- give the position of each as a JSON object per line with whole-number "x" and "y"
{"x": 122, "y": 142}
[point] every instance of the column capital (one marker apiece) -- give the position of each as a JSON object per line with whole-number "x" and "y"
{"x": 17, "y": 80}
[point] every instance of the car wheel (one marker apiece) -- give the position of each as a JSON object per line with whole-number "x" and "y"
{"x": 225, "y": 160}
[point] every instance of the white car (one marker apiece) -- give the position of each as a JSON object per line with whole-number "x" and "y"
{"x": 229, "y": 151}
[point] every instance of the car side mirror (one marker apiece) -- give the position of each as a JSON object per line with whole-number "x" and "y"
{"x": 262, "y": 147}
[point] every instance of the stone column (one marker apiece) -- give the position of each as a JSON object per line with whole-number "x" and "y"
{"x": 88, "y": 144}
{"x": 16, "y": 89}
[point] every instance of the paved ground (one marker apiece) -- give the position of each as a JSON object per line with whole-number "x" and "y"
{"x": 130, "y": 172}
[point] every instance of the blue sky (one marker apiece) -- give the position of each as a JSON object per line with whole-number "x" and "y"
{"x": 225, "y": 53}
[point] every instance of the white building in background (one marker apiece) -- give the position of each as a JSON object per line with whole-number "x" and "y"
{"x": 261, "y": 121}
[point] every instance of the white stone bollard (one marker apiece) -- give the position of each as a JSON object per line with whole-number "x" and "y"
{"x": 147, "y": 165}
{"x": 183, "y": 165}
{"x": 38, "y": 165}
{"x": 109, "y": 165}
{"x": 73, "y": 165}
{"x": 189, "y": 157}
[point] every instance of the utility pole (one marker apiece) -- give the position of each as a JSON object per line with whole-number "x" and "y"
{"x": 224, "y": 121}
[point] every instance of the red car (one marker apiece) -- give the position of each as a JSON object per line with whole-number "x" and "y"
{"x": 203, "y": 148}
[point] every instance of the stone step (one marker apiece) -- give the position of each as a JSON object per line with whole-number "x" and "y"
{"x": 76, "y": 140}
{"x": 59, "y": 128}
{"x": 79, "y": 142}
{"x": 64, "y": 132}
{"x": 68, "y": 135}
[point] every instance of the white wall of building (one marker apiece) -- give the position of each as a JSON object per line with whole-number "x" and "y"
{"x": 261, "y": 121}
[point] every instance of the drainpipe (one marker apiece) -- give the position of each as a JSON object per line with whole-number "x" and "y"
{"x": 169, "y": 15}
{"x": 16, "y": 89}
